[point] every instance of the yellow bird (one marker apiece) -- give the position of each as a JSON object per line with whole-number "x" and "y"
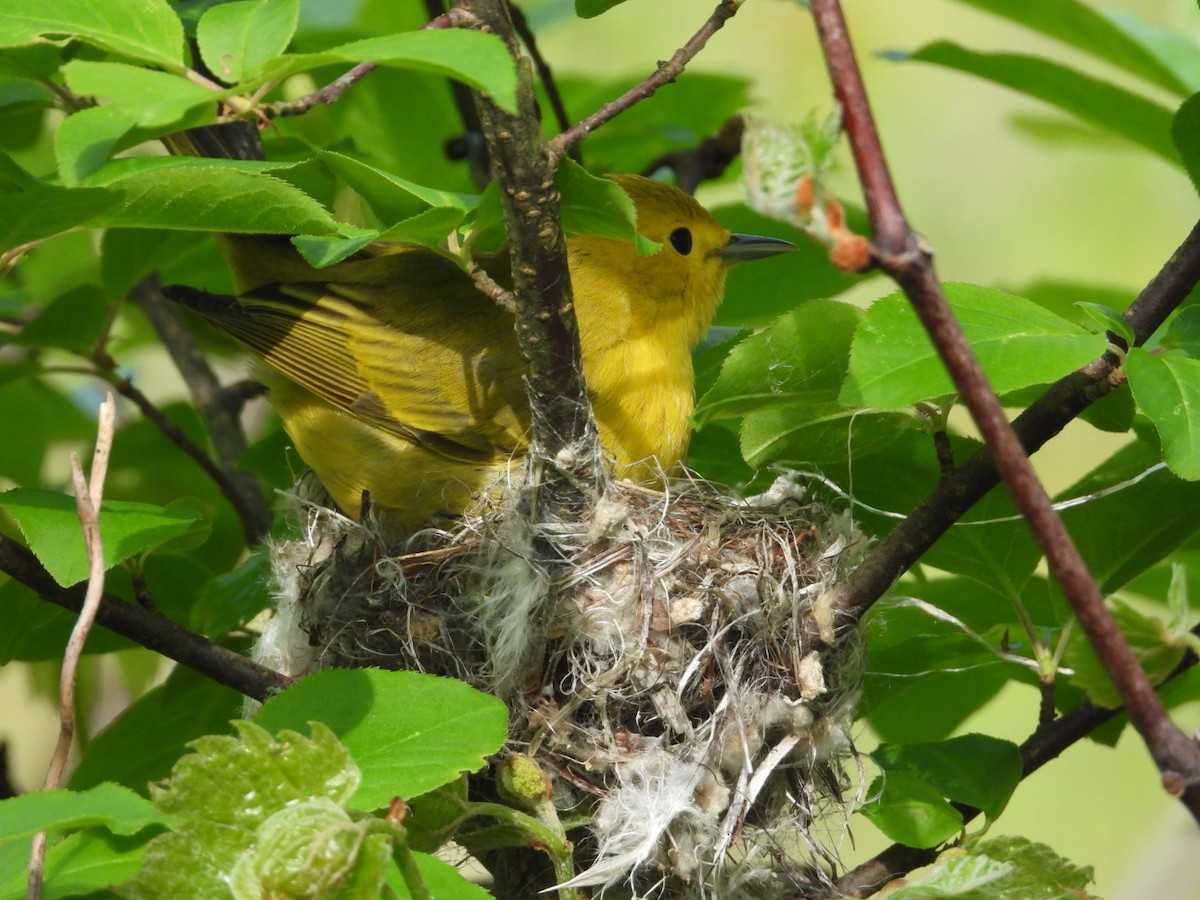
{"x": 397, "y": 378}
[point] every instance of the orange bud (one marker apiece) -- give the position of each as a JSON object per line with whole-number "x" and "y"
{"x": 852, "y": 253}
{"x": 835, "y": 217}
{"x": 803, "y": 198}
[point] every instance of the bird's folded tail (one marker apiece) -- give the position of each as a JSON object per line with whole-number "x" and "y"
{"x": 229, "y": 140}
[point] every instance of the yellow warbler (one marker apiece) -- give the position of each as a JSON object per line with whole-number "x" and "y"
{"x": 400, "y": 379}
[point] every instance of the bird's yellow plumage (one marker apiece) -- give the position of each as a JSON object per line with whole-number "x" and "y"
{"x": 395, "y": 376}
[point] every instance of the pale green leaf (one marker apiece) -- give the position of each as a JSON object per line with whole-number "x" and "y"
{"x": 893, "y": 362}
{"x": 409, "y": 733}
{"x": 1113, "y": 39}
{"x": 238, "y": 39}
{"x": 1167, "y": 390}
{"x": 50, "y": 524}
{"x": 150, "y": 98}
{"x": 110, "y": 806}
{"x": 146, "y": 30}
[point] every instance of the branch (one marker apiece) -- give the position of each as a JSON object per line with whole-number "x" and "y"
{"x": 905, "y": 257}
{"x": 666, "y": 73}
{"x": 706, "y": 161}
{"x": 521, "y": 25}
{"x": 564, "y": 433}
{"x": 88, "y": 495}
{"x": 1046, "y": 743}
{"x": 149, "y": 629}
{"x": 333, "y": 91}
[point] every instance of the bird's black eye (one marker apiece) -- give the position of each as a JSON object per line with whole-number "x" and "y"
{"x": 681, "y": 240}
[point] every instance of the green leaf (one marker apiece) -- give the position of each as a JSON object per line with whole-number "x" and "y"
{"x": 1135, "y": 515}
{"x": 142, "y": 744}
{"x": 110, "y": 806}
{"x": 238, "y": 39}
{"x": 70, "y": 322}
{"x": 817, "y": 434}
{"x": 592, "y": 205}
{"x": 146, "y": 30}
{"x": 1184, "y": 332}
{"x": 87, "y": 863}
{"x": 974, "y": 769}
{"x": 1167, "y": 390}
{"x": 781, "y": 364}
{"x": 151, "y": 99}
{"x": 1185, "y": 132}
{"x": 391, "y": 197}
{"x": 312, "y": 849}
{"x": 1173, "y": 50}
{"x": 1157, "y": 649}
{"x": 31, "y": 209}
{"x": 1102, "y": 104}
{"x": 589, "y": 9}
{"x": 997, "y": 868}
{"x": 1109, "y": 319}
{"x": 429, "y": 228}
{"x": 409, "y": 733}
{"x": 909, "y": 811}
{"x": 51, "y": 527}
{"x": 1091, "y": 30}
{"x": 221, "y": 795}
{"x": 86, "y": 140}
{"x": 199, "y": 195}
{"x": 478, "y": 59}
{"x": 893, "y": 362}
{"x": 440, "y": 877}
{"x": 233, "y": 598}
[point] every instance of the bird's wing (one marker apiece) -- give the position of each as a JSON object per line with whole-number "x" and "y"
{"x": 406, "y": 346}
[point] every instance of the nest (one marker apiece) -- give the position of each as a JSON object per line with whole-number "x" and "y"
{"x": 657, "y": 670}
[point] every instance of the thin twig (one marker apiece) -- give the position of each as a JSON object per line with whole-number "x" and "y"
{"x": 149, "y": 629}
{"x": 545, "y": 75}
{"x": 333, "y": 91}
{"x": 666, "y": 73}
{"x": 88, "y": 495}
{"x": 706, "y": 161}
{"x": 904, "y": 256}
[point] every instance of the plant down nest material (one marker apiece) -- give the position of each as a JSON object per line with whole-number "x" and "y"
{"x": 656, "y": 670}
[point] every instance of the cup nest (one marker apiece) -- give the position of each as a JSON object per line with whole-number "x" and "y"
{"x": 655, "y": 668}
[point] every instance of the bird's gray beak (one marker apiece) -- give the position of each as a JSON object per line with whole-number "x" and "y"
{"x": 742, "y": 247}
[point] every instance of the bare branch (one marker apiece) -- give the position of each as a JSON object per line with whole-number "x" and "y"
{"x": 666, "y": 73}
{"x": 152, "y": 630}
{"x": 88, "y": 495}
{"x": 903, "y": 255}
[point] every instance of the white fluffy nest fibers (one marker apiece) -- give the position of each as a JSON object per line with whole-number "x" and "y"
{"x": 656, "y": 670}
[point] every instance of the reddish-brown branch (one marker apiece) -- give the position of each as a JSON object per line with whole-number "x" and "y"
{"x": 149, "y": 629}
{"x": 901, "y": 253}
{"x": 665, "y": 74}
